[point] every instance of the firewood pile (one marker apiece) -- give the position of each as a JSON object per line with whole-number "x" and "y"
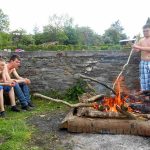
{"x": 97, "y": 119}
{"x": 119, "y": 113}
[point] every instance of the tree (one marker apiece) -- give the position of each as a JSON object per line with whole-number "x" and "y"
{"x": 54, "y": 31}
{"x": 4, "y": 22}
{"x": 27, "y": 40}
{"x": 20, "y": 37}
{"x": 85, "y": 35}
{"x": 17, "y": 36}
{"x": 113, "y": 34}
{"x": 71, "y": 34}
{"x": 97, "y": 40}
{"x": 5, "y": 39}
{"x": 39, "y": 38}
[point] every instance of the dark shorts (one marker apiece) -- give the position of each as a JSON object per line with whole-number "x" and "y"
{"x": 5, "y": 88}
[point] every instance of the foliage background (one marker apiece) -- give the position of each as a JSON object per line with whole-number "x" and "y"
{"x": 60, "y": 34}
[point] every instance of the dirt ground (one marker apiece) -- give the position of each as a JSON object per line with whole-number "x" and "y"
{"x": 49, "y": 137}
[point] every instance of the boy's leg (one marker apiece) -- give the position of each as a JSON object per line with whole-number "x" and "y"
{"x": 11, "y": 96}
{"x": 26, "y": 91}
{"x": 20, "y": 95}
{"x": 1, "y": 99}
{"x": 2, "y": 109}
{"x": 10, "y": 91}
{"x": 12, "y": 100}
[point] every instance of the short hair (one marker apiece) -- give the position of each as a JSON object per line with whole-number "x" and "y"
{"x": 13, "y": 57}
{"x": 146, "y": 26}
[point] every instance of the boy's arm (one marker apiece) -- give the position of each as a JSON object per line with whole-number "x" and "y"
{"x": 136, "y": 46}
{"x": 7, "y": 84}
{"x": 5, "y": 75}
{"x": 139, "y": 47}
{"x": 19, "y": 78}
{"x": 16, "y": 75}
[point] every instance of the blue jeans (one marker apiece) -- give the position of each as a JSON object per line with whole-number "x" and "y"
{"x": 23, "y": 93}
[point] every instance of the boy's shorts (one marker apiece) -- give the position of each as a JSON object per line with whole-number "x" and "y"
{"x": 5, "y": 88}
{"x": 145, "y": 75}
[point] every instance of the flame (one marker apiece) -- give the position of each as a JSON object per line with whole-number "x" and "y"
{"x": 120, "y": 99}
{"x": 111, "y": 102}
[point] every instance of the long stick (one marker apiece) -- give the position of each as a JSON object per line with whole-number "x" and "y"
{"x": 124, "y": 66}
{"x": 68, "y": 104}
{"x": 123, "y": 69}
{"x": 92, "y": 79}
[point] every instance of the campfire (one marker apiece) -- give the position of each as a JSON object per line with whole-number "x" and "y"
{"x": 131, "y": 103}
{"x": 118, "y": 113}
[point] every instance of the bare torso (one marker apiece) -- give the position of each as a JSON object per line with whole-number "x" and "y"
{"x": 145, "y": 55}
{"x": 1, "y": 78}
{"x": 9, "y": 70}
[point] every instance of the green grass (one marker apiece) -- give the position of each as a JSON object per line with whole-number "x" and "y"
{"x": 14, "y": 130}
{"x": 15, "y": 133}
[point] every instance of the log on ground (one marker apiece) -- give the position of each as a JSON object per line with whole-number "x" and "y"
{"x": 106, "y": 126}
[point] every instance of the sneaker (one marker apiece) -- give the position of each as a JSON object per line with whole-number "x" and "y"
{"x": 15, "y": 109}
{"x": 26, "y": 108}
{"x": 2, "y": 114}
{"x": 30, "y": 104}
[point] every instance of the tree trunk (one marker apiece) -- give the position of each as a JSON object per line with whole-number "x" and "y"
{"x": 105, "y": 126}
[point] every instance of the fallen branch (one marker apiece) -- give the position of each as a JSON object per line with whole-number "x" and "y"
{"x": 94, "y": 98}
{"x": 68, "y": 104}
{"x": 92, "y": 79}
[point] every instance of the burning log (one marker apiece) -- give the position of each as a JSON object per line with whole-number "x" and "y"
{"x": 129, "y": 115}
{"x": 146, "y": 93}
{"x": 140, "y": 107}
{"x": 90, "y": 112}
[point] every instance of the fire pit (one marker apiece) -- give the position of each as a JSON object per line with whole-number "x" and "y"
{"x": 78, "y": 124}
{"x": 119, "y": 113}
{"x": 107, "y": 119}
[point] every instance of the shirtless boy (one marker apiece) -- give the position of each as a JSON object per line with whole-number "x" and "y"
{"x": 21, "y": 87}
{"x": 144, "y": 47}
{"x": 8, "y": 88}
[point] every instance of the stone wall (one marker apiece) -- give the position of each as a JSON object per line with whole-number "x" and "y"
{"x": 58, "y": 70}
